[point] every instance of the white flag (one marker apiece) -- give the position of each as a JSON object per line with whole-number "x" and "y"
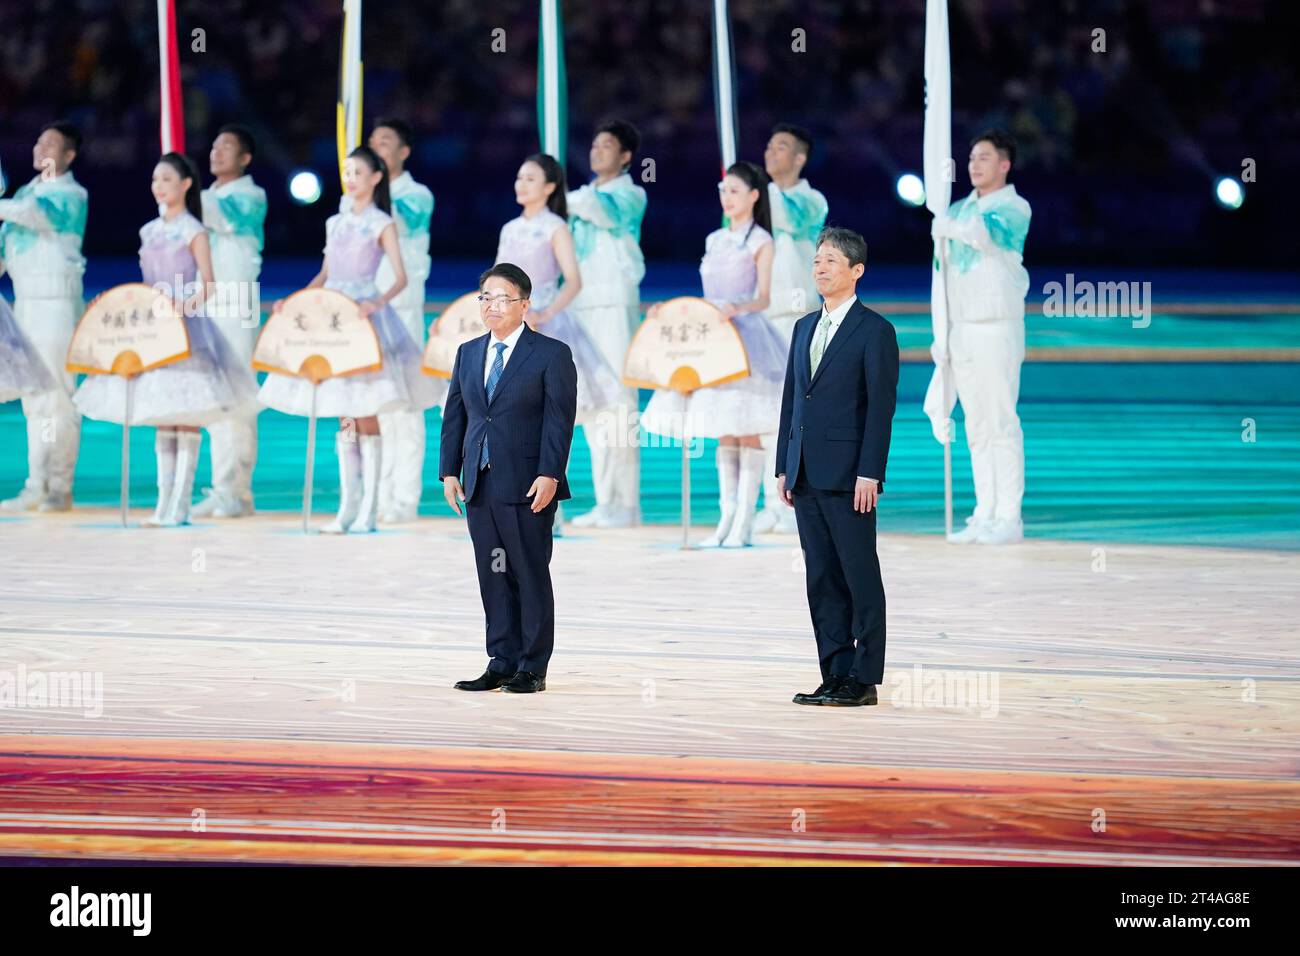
{"x": 940, "y": 170}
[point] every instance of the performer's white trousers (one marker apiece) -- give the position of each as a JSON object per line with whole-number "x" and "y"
{"x": 986, "y": 360}
{"x": 401, "y": 473}
{"x": 53, "y": 422}
{"x": 613, "y": 435}
{"x": 233, "y": 441}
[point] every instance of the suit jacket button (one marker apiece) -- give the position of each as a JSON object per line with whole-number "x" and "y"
{"x": 489, "y": 418}
{"x": 808, "y": 396}
{"x": 800, "y": 428}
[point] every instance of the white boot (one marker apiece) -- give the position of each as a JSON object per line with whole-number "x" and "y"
{"x": 33, "y": 492}
{"x": 1002, "y": 531}
{"x": 164, "y": 448}
{"x": 592, "y": 518}
{"x": 975, "y": 527}
{"x": 349, "y": 455}
{"x": 728, "y": 460}
{"x": 751, "y": 479}
{"x": 187, "y": 460}
{"x": 372, "y": 464}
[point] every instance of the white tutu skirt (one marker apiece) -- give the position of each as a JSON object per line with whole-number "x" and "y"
{"x": 22, "y": 373}
{"x": 398, "y": 385}
{"x": 746, "y": 406}
{"x": 599, "y": 386}
{"x": 209, "y": 386}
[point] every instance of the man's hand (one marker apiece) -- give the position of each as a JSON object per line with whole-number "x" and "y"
{"x": 865, "y": 493}
{"x": 544, "y": 488}
{"x": 783, "y": 492}
{"x": 453, "y": 492}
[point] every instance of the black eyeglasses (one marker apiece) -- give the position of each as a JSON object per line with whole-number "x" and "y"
{"x": 501, "y": 301}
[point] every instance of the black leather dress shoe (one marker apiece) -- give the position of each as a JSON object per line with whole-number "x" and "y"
{"x": 490, "y": 680}
{"x": 525, "y": 682}
{"x": 818, "y": 696}
{"x": 851, "y": 693}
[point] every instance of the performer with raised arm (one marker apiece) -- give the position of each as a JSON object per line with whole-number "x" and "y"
{"x": 41, "y": 229}
{"x": 987, "y": 284}
{"x": 606, "y": 219}
{"x": 234, "y": 212}
{"x": 209, "y": 385}
{"x": 736, "y": 271}
{"x": 402, "y": 479}
{"x": 356, "y": 238}
{"x": 798, "y": 215}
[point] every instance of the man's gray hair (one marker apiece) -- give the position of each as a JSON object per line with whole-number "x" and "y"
{"x": 846, "y": 241}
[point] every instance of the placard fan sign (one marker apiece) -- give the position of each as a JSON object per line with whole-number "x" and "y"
{"x": 687, "y": 345}
{"x": 317, "y": 334}
{"x": 127, "y": 330}
{"x": 457, "y": 324}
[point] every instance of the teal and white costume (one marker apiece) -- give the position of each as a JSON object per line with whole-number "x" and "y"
{"x": 606, "y": 222}
{"x": 987, "y": 284}
{"x": 798, "y": 216}
{"x": 235, "y": 216}
{"x": 402, "y": 474}
{"x": 40, "y": 246}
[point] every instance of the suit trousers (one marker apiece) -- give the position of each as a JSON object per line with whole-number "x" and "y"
{"x": 846, "y": 596}
{"x": 512, "y": 554}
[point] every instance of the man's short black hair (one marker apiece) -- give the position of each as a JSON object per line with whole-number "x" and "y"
{"x": 242, "y": 133}
{"x": 400, "y": 127}
{"x": 1001, "y": 140}
{"x": 512, "y": 274}
{"x": 801, "y": 135}
{"x": 628, "y": 136}
{"x": 846, "y": 241}
{"x": 70, "y": 132}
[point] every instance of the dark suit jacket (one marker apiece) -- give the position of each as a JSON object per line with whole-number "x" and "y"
{"x": 837, "y": 423}
{"x": 528, "y": 423}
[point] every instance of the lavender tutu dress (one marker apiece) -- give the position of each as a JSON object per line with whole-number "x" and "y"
{"x": 22, "y": 373}
{"x": 352, "y": 257}
{"x": 527, "y": 244}
{"x": 746, "y": 406}
{"x": 210, "y": 385}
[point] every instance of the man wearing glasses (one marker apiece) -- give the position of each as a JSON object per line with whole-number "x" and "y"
{"x": 507, "y": 426}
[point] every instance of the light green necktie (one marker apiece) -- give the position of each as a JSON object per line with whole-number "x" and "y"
{"x": 819, "y": 342}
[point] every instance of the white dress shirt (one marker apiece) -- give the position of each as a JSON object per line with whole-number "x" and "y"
{"x": 510, "y": 340}
{"x": 837, "y": 319}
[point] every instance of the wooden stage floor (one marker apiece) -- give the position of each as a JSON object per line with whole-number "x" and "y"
{"x": 270, "y": 697}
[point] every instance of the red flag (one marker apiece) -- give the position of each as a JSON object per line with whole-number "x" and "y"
{"x": 171, "y": 127}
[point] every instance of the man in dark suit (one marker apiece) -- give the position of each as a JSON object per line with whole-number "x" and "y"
{"x": 508, "y": 424}
{"x": 841, "y": 384}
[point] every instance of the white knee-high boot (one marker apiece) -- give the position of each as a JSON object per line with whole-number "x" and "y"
{"x": 728, "y": 459}
{"x": 751, "y": 479}
{"x": 164, "y": 448}
{"x": 372, "y": 464}
{"x": 349, "y": 455}
{"x": 187, "y": 460}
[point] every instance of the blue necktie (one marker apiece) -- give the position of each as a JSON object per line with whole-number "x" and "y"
{"x": 494, "y": 376}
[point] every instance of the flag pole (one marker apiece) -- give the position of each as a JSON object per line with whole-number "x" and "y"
{"x": 552, "y": 83}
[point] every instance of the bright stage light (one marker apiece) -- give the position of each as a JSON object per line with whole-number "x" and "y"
{"x": 1229, "y": 193}
{"x": 304, "y": 187}
{"x": 910, "y": 189}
